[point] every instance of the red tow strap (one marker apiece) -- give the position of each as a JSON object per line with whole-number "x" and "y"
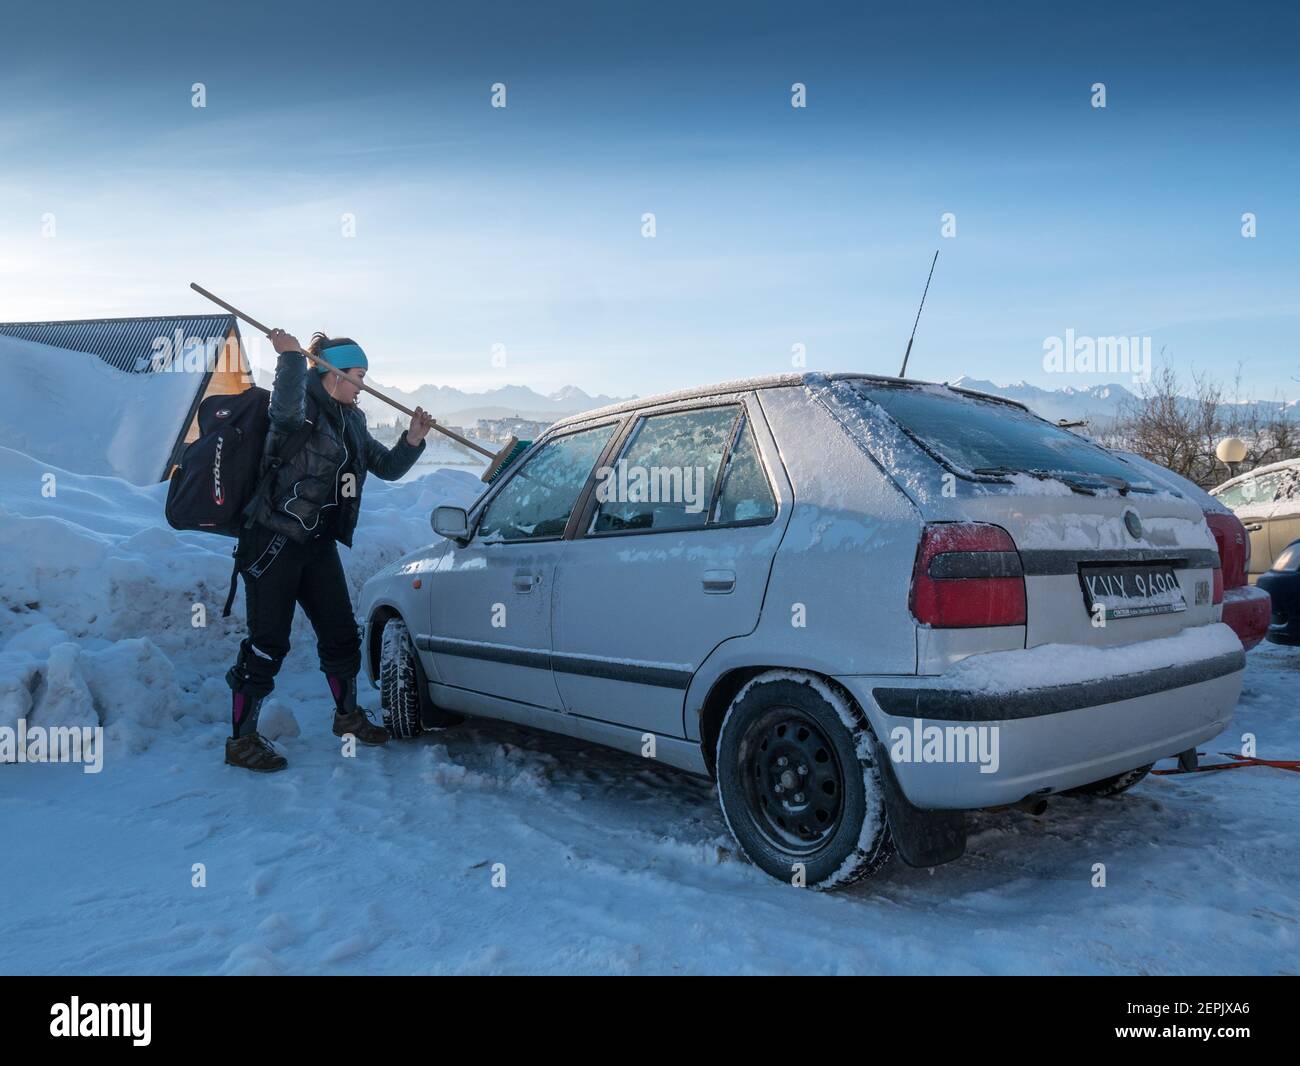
{"x": 1238, "y": 761}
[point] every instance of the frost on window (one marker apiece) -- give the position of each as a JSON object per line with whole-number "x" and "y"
{"x": 977, "y": 435}
{"x": 665, "y": 477}
{"x": 537, "y": 500}
{"x": 1255, "y": 490}
{"x": 746, "y": 495}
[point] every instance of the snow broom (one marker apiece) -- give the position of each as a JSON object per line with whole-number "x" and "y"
{"x": 498, "y": 461}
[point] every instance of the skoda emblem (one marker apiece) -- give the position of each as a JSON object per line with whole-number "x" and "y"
{"x": 1133, "y": 524}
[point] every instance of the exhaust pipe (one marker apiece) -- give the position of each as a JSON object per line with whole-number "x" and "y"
{"x": 1035, "y": 805}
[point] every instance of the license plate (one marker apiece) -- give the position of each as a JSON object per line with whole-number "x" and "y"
{"x": 1131, "y": 591}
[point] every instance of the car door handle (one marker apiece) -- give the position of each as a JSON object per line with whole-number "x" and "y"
{"x": 1254, "y": 527}
{"x": 719, "y": 581}
{"x": 526, "y": 582}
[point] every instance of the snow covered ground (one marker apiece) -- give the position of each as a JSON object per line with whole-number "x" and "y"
{"x": 386, "y": 862}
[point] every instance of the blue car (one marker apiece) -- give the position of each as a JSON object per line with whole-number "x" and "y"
{"x": 1282, "y": 583}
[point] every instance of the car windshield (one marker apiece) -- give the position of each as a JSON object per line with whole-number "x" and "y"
{"x": 988, "y": 437}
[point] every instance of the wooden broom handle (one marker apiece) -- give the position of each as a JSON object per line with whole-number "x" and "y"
{"x": 355, "y": 381}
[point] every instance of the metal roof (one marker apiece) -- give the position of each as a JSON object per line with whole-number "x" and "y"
{"x": 125, "y": 343}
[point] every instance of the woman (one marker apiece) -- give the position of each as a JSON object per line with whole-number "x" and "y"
{"x": 289, "y": 555}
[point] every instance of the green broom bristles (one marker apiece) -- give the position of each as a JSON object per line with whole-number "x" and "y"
{"x": 507, "y": 456}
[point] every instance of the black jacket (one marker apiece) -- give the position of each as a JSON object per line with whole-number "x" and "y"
{"x": 314, "y": 481}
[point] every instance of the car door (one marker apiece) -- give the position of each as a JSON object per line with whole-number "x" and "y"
{"x": 1253, "y": 500}
{"x": 654, "y": 580}
{"x": 490, "y": 600}
{"x": 1284, "y": 520}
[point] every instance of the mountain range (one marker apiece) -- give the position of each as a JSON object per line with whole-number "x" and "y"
{"x": 1099, "y": 405}
{"x": 460, "y": 408}
{"x": 1095, "y": 404}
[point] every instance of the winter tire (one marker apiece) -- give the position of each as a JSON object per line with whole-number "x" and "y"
{"x": 401, "y": 681}
{"x": 799, "y": 785}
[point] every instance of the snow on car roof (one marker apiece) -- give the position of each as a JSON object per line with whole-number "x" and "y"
{"x": 768, "y": 381}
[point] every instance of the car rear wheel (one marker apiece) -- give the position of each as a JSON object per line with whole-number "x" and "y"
{"x": 1113, "y": 786}
{"x": 799, "y": 785}
{"x": 403, "y": 689}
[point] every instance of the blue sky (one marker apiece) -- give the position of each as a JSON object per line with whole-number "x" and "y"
{"x": 775, "y": 226}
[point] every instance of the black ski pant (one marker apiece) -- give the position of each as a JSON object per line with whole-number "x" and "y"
{"x": 279, "y": 575}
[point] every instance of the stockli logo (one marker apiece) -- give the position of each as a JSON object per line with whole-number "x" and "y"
{"x": 218, "y": 494}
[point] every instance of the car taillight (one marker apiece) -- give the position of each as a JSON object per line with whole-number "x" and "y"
{"x": 1234, "y": 547}
{"x": 967, "y": 574}
{"x": 1218, "y": 586}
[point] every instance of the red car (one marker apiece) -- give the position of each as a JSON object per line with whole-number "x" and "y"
{"x": 1246, "y": 608}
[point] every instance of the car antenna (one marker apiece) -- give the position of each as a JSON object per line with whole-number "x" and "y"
{"x": 903, "y": 373}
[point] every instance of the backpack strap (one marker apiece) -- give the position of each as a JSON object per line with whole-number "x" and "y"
{"x": 234, "y": 583}
{"x": 291, "y": 447}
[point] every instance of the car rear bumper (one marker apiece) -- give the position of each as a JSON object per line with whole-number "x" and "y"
{"x": 1007, "y": 725}
{"x": 1247, "y": 610}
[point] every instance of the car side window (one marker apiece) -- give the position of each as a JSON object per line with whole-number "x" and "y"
{"x": 1267, "y": 488}
{"x": 746, "y": 495}
{"x": 1233, "y": 496}
{"x": 1290, "y": 488}
{"x": 1263, "y": 489}
{"x": 665, "y": 477}
{"x": 537, "y": 501}
{"x": 1255, "y": 490}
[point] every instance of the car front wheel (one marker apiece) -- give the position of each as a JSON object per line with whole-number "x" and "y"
{"x": 799, "y": 785}
{"x": 403, "y": 690}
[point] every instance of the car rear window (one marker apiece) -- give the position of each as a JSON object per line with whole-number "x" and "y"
{"x": 984, "y": 436}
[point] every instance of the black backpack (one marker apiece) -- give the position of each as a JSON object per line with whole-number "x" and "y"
{"x": 219, "y": 480}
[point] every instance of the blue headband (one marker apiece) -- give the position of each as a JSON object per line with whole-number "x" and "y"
{"x": 344, "y": 357}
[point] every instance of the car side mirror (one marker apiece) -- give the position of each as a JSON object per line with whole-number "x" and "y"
{"x": 451, "y": 522}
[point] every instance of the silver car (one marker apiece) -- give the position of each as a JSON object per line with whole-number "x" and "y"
{"x": 862, "y": 605}
{"x": 1267, "y": 500}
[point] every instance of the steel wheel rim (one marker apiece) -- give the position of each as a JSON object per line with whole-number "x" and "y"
{"x": 796, "y": 812}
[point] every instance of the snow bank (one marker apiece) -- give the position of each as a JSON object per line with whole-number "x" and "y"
{"x": 74, "y": 410}
{"x": 109, "y": 617}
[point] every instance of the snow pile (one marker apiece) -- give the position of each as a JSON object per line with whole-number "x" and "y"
{"x": 108, "y": 617}
{"x": 128, "y": 687}
{"x": 73, "y": 410}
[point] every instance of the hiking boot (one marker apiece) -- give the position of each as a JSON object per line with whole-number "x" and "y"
{"x": 254, "y": 752}
{"x": 360, "y": 726}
